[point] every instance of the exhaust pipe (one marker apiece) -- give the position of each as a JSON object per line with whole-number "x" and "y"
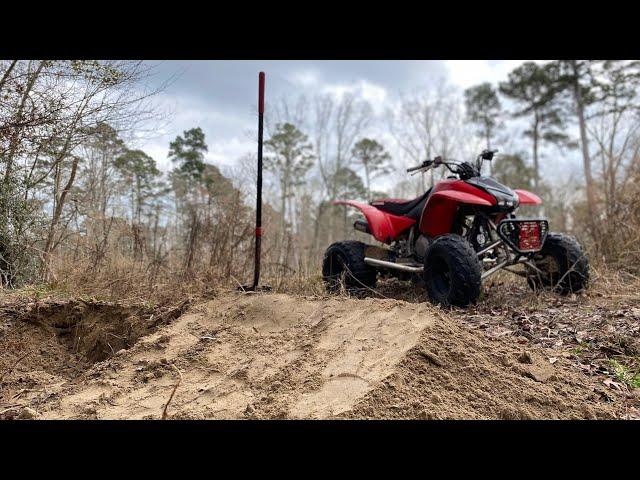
{"x": 392, "y": 265}
{"x": 362, "y": 226}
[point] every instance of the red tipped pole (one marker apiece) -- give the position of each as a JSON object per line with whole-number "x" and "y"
{"x": 256, "y": 271}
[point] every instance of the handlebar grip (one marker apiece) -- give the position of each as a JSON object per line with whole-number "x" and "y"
{"x": 426, "y": 163}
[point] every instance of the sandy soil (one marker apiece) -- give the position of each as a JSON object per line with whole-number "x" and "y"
{"x": 279, "y": 356}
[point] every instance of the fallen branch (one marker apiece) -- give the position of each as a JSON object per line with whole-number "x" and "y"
{"x": 241, "y": 287}
{"x": 14, "y": 407}
{"x": 164, "y": 411}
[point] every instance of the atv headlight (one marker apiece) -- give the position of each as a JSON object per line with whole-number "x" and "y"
{"x": 504, "y": 200}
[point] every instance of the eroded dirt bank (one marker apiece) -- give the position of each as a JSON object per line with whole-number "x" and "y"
{"x": 279, "y": 356}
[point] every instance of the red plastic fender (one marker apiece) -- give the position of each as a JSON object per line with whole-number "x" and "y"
{"x": 528, "y": 198}
{"x": 385, "y": 227}
{"x": 439, "y": 212}
{"x": 461, "y": 197}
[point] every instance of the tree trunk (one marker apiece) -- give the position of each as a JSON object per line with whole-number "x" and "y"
{"x": 13, "y": 145}
{"x": 193, "y": 239}
{"x": 586, "y": 159}
{"x": 283, "y": 224}
{"x": 316, "y": 227}
{"x": 366, "y": 174}
{"x": 6, "y": 74}
{"x": 536, "y": 167}
{"x": 57, "y": 213}
{"x": 488, "y": 134}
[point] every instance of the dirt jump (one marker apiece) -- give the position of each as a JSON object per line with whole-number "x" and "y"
{"x": 261, "y": 356}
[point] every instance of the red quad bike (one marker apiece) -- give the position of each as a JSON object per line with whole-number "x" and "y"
{"x": 452, "y": 237}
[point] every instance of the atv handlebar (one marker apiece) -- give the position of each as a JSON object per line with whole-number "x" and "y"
{"x": 463, "y": 169}
{"x": 426, "y": 164}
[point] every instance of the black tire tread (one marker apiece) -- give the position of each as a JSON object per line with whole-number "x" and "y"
{"x": 568, "y": 248}
{"x": 361, "y": 275}
{"x": 466, "y": 271}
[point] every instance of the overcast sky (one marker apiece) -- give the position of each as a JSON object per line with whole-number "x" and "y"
{"x": 221, "y": 96}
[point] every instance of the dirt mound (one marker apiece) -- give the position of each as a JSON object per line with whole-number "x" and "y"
{"x": 279, "y": 356}
{"x": 250, "y": 356}
{"x": 456, "y": 373}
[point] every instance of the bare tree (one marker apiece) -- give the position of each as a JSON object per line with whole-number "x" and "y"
{"x": 338, "y": 123}
{"x": 49, "y": 110}
{"x": 430, "y": 123}
{"x": 613, "y": 125}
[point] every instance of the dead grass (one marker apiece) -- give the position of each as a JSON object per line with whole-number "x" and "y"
{"x": 131, "y": 282}
{"x": 123, "y": 280}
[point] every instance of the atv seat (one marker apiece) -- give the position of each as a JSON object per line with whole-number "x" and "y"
{"x": 404, "y": 208}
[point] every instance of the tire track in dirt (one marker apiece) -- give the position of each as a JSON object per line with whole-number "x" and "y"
{"x": 250, "y": 356}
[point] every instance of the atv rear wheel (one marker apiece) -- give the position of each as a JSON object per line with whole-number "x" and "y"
{"x": 564, "y": 266}
{"x": 452, "y": 271}
{"x": 343, "y": 266}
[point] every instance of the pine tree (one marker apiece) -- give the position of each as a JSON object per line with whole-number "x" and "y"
{"x": 289, "y": 160}
{"x": 374, "y": 159}
{"x": 483, "y": 110}
{"x": 188, "y": 153}
{"x": 534, "y": 89}
{"x": 139, "y": 173}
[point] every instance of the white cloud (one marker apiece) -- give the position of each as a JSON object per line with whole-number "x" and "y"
{"x": 158, "y": 151}
{"x": 466, "y": 73}
{"x": 227, "y": 152}
{"x": 304, "y": 78}
{"x": 375, "y": 94}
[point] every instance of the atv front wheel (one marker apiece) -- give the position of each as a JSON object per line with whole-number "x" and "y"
{"x": 452, "y": 271}
{"x": 343, "y": 265}
{"x": 563, "y": 266}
